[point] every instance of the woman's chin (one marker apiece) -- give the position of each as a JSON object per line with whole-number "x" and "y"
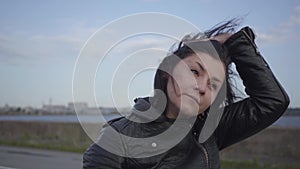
{"x": 189, "y": 110}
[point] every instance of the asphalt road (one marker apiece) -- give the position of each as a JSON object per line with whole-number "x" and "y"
{"x": 27, "y": 158}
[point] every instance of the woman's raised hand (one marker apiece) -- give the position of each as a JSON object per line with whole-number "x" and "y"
{"x": 221, "y": 38}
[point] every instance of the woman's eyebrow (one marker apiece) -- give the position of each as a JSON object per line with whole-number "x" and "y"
{"x": 201, "y": 67}
{"x": 216, "y": 79}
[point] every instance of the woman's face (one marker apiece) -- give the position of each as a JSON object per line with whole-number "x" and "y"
{"x": 194, "y": 85}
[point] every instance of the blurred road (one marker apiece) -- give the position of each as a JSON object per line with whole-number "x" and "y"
{"x": 27, "y": 158}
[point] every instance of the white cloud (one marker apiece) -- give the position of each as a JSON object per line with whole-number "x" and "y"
{"x": 144, "y": 42}
{"x": 23, "y": 48}
{"x": 115, "y": 45}
{"x": 286, "y": 31}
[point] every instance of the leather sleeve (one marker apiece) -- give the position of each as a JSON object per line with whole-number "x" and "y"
{"x": 96, "y": 157}
{"x": 267, "y": 99}
{"x": 100, "y": 155}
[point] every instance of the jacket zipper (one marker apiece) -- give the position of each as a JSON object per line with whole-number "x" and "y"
{"x": 206, "y": 155}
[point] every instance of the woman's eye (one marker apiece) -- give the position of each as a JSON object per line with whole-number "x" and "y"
{"x": 213, "y": 86}
{"x": 195, "y": 72}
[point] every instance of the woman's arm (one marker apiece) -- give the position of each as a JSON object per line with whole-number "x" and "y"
{"x": 96, "y": 157}
{"x": 267, "y": 99}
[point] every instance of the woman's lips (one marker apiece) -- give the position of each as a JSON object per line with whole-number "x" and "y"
{"x": 194, "y": 98}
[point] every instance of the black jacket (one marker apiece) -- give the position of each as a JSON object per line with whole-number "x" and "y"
{"x": 267, "y": 101}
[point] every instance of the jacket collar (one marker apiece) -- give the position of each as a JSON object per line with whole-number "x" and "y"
{"x": 144, "y": 112}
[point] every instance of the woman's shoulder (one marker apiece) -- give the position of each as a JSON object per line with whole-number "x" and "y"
{"x": 119, "y": 123}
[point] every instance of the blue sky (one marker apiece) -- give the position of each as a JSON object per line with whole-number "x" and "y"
{"x": 40, "y": 40}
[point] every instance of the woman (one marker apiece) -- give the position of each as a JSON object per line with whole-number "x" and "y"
{"x": 192, "y": 86}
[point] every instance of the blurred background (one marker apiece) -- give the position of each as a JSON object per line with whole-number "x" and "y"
{"x": 40, "y": 42}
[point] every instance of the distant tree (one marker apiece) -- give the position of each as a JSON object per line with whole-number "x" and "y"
{"x": 19, "y": 109}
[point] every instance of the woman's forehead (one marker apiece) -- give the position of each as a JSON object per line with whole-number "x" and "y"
{"x": 203, "y": 58}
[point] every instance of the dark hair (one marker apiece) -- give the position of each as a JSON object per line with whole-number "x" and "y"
{"x": 191, "y": 44}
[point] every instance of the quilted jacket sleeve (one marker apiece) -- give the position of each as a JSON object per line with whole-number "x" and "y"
{"x": 267, "y": 99}
{"x": 106, "y": 152}
{"x": 98, "y": 158}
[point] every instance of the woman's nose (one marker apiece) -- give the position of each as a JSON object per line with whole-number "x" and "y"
{"x": 202, "y": 85}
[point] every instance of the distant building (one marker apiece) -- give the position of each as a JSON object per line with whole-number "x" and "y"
{"x": 29, "y": 110}
{"x": 55, "y": 109}
{"x": 79, "y": 107}
{"x": 108, "y": 110}
{"x": 91, "y": 110}
{"x": 70, "y": 108}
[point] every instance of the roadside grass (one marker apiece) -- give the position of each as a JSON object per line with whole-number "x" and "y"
{"x": 226, "y": 164}
{"x": 45, "y": 146}
{"x": 71, "y": 137}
